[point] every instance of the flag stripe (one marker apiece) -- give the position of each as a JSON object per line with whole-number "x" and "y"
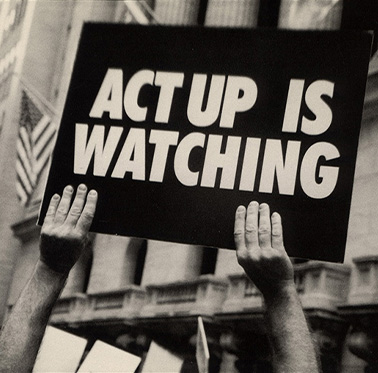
{"x": 40, "y": 128}
{"x": 23, "y": 178}
{"x": 25, "y": 161}
{"x": 43, "y": 162}
{"x": 44, "y": 156}
{"x": 24, "y": 136}
{"x": 21, "y": 194}
{"x": 23, "y": 175}
{"x": 45, "y": 140}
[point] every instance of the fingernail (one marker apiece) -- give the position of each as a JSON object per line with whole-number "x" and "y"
{"x": 240, "y": 209}
{"x": 69, "y": 188}
{"x": 93, "y": 193}
{"x": 55, "y": 196}
{"x": 263, "y": 206}
{"x": 82, "y": 187}
{"x": 254, "y": 203}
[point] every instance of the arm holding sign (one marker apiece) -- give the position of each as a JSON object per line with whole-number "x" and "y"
{"x": 261, "y": 253}
{"x": 62, "y": 240}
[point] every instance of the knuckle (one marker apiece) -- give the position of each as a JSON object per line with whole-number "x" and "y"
{"x": 87, "y": 215}
{"x": 45, "y": 229}
{"x": 242, "y": 258}
{"x": 75, "y": 211}
{"x": 61, "y": 210}
{"x": 264, "y": 229}
{"x": 251, "y": 228}
{"x": 238, "y": 233}
{"x": 268, "y": 256}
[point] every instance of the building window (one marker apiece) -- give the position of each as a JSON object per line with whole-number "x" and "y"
{"x": 209, "y": 260}
{"x": 87, "y": 270}
{"x": 232, "y": 13}
{"x": 139, "y": 265}
{"x": 309, "y": 14}
{"x": 202, "y": 12}
{"x": 268, "y": 13}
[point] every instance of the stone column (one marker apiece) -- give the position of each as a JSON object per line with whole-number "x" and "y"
{"x": 242, "y": 13}
{"x": 169, "y": 262}
{"x": 175, "y": 12}
{"x": 361, "y": 310}
{"x": 114, "y": 260}
{"x": 308, "y": 14}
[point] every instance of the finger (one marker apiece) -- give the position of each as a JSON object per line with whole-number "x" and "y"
{"x": 264, "y": 226}
{"x": 239, "y": 228}
{"x": 251, "y": 231}
{"x": 77, "y": 206}
{"x": 50, "y": 214}
{"x": 277, "y": 236}
{"x": 64, "y": 205}
{"x": 86, "y": 217}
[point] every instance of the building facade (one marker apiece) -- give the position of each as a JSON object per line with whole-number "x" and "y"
{"x": 128, "y": 291}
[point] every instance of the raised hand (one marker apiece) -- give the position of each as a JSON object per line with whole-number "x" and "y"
{"x": 65, "y": 228}
{"x": 260, "y": 250}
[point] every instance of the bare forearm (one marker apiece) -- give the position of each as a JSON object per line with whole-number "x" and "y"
{"x": 292, "y": 345}
{"x": 24, "y": 329}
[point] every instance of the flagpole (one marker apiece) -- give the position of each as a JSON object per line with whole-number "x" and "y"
{"x": 136, "y": 10}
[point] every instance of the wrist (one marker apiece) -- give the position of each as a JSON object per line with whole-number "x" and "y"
{"x": 48, "y": 273}
{"x": 283, "y": 291}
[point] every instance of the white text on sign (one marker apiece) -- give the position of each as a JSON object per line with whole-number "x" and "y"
{"x": 227, "y": 96}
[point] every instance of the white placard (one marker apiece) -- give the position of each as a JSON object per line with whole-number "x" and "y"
{"x": 202, "y": 350}
{"x": 160, "y": 360}
{"x": 106, "y": 358}
{"x": 59, "y": 352}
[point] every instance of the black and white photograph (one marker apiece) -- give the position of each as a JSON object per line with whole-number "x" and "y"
{"x": 189, "y": 186}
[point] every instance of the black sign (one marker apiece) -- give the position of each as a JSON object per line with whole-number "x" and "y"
{"x": 175, "y": 127}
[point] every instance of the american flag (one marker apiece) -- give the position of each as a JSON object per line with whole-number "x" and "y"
{"x": 34, "y": 145}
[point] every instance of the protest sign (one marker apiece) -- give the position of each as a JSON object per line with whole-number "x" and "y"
{"x": 106, "y": 358}
{"x": 175, "y": 127}
{"x": 59, "y": 352}
{"x": 159, "y": 359}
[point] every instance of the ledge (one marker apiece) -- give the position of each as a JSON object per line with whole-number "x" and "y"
{"x": 203, "y": 296}
{"x": 364, "y": 281}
